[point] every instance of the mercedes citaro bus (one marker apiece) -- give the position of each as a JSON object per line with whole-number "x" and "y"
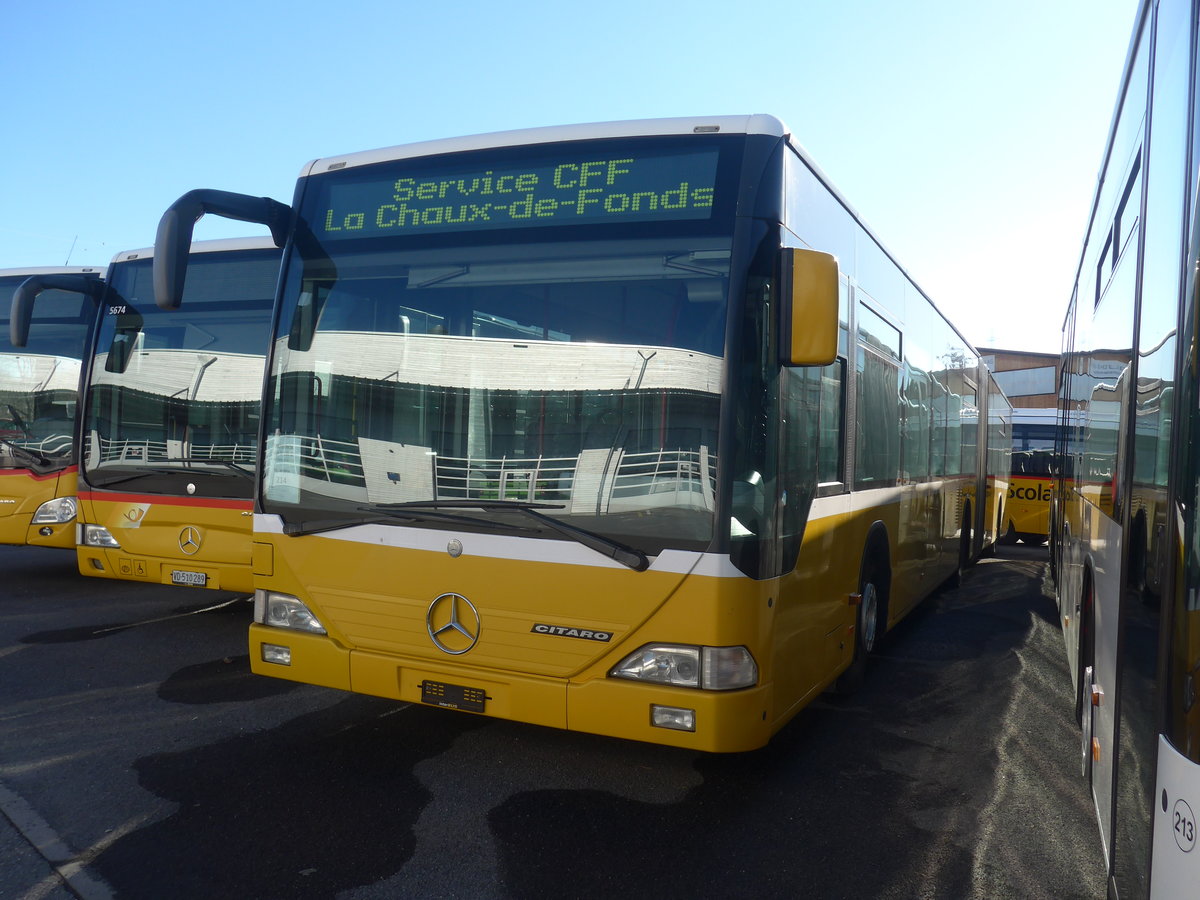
{"x": 628, "y": 428}
{"x": 169, "y": 424}
{"x": 39, "y": 398}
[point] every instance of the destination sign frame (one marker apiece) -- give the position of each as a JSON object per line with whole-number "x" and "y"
{"x": 577, "y": 185}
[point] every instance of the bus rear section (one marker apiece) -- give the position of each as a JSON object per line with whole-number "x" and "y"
{"x": 39, "y": 398}
{"x": 1032, "y": 484}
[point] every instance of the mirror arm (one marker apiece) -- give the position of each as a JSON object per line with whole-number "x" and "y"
{"x": 27, "y": 292}
{"x": 174, "y": 238}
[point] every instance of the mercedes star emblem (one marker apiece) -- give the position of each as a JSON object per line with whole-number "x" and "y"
{"x": 189, "y": 540}
{"x": 453, "y": 624}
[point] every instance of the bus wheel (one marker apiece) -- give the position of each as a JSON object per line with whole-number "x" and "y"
{"x": 964, "y": 548}
{"x": 868, "y": 626}
{"x": 1087, "y": 647}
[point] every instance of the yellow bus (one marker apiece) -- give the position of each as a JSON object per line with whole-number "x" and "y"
{"x": 1031, "y": 487}
{"x": 1125, "y": 540}
{"x": 632, "y": 429}
{"x": 39, "y": 395}
{"x": 169, "y": 427}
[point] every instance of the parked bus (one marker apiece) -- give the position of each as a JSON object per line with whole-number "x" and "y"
{"x": 632, "y": 429}
{"x": 170, "y": 423}
{"x": 39, "y": 394}
{"x": 1031, "y": 487}
{"x": 1125, "y": 545}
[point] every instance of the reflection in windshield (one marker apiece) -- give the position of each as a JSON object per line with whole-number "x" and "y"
{"x": 39, "y": 383}
{"x": 584, "y": 376}
{"x": 180, "y": 392}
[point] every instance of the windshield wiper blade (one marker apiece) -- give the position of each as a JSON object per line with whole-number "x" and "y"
{"x": 228, "y": 463}
{"x": 318, "y": 526}
{"x": 415, "y": 513}
{"x": 144, "y": 469}
{"x": 613, "y": 549}
{"x": 383, "y": 514}
{"x": 38, "y": 458}
{"x": 468, "y": 504}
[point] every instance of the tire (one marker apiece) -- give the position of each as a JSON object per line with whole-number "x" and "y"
{"x": 870, "y": 621}
{"x": 964, "y": 548}
{"x": 1087, "y": 647}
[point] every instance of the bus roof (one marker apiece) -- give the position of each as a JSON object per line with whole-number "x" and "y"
{"x": 751, "y": 124}
{"x": 258, "y": 242}
{"x": 50, "y": 270}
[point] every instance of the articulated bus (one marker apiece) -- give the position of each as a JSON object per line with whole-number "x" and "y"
{"x": 1031, "y": 487}
{"x": 1125, "y": 541}
{"x": 631, "y": 429}
{"x": 169, "y": 428}
{"x": 39, "y": 394}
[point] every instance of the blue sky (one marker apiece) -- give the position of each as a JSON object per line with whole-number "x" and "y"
{"x": 968, "y": 134}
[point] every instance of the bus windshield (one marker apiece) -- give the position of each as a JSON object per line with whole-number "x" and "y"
{"x": 540, "y": 325}
{"x": 39, "y": 383}
{"x": 582, "y": 376}
{"x": 171, "y": 392}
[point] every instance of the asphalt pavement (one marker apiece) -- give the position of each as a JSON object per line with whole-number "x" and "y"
{"x": 139, "y": 758}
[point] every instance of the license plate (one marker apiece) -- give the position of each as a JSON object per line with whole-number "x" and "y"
{"x": 453, "y": 696}
{"x": 193, "y": 579}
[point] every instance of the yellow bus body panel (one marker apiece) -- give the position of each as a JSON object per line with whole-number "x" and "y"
{"x": 373, "y": 600}
{"x": 21, "y": 493}
{"x": 160, "y": 535}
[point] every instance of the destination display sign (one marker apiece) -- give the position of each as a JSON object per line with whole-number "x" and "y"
{"x": 567, "y": 190}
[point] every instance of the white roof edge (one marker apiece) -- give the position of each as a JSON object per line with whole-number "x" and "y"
{"x": 747, "y": 124}
{"x": 258, "y": 242}
{"x": 51, "y": 270}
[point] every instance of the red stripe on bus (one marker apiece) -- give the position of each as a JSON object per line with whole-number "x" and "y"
{"x": 163, "y": 499}
{"x": 29, "y": 473}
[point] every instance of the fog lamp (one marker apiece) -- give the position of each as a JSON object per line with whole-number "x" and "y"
{"x": 277, "y": 653}
{"x": 673, "y": 717}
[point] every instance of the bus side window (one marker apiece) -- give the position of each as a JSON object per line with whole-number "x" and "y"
{"x": 831, "y": 434}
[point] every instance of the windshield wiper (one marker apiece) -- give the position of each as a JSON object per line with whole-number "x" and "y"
{"x": 614, "y": 550}
{"x": 385, "y": 514}
{"x": 145, "y": 469}
{"x": 38, "y": 458}
{"x": 228, "y": 463}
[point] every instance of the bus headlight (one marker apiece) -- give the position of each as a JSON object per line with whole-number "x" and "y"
{"x": 98, "y": 536}
{"x": 55, "y": 512}
{"x": 284, "y": 611}
{"x": 680, "y": 665}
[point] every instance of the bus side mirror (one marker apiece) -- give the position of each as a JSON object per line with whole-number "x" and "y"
{"x": 809, "y": 334}
{"x": 127, "y": 330}
{"x": 28, "y": 290}
{"x": 173, "y": 241}
{"x": 120, "y": 352}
